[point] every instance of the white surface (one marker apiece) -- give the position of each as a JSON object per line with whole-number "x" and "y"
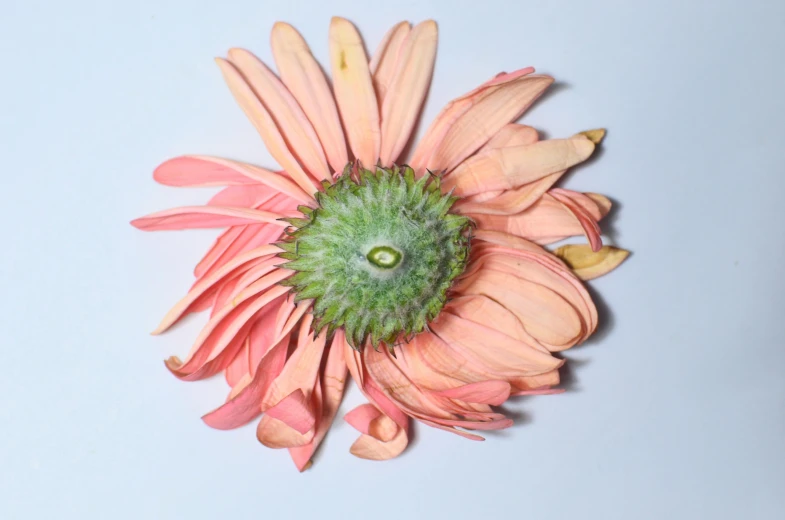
{"x": 676, "y": 411}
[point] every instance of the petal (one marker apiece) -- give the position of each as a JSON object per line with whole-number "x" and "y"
{"x": 486, "y": 392}
{"x": 510, "y": 202}
{"x": 499, "y": 353}
{"x": 403, "y": 99}
{"x": 354, "y": 91}
{"x": 226, "y": 329}
{"x": 246, "y": 196}
{"x": 199, "y": 171}
{"x": 203, "y": 286}
{"x": 265, "y": 125}
{"x": 513, "y": 134}
{"x": 384, "y": 60}
{"x": 289, "y": 118}
{"x": 200, "y": 217}
{"x": 490, "y": 108}
{"x": 304, "y": 78}
{"x": 511, "y": 167}
{"x": 294, "y": 411}
{"x": 450, "y": 114}
{"x": 333, "y": 382}
{"x": 588, "y": 222}
{"x": 239, "y": 239}
{"x": 588, "y": 264}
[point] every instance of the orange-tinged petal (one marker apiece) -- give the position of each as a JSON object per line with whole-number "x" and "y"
{"x": 486, "y": 392}
{"x": 511, "y": 202}
{"x": 295, "y": 411}
{"x": 510, "y": 167}
{"x": 289, "y": 118}
{"x": 451, "y": 113}
{"x": 403, "y": 99}
{"x": 513, "y": 134}
{"x": 354, "y": 91}
{"x": 499, "y": 105}
{"x": 384, "y": 60}
{"x": 304, "y": 78}
{"x": 261, "y": 119}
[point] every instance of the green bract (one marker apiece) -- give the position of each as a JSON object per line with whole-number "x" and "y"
{"x": 377, "y": 255}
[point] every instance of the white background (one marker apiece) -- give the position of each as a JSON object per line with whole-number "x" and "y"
{"x": 675, "y": 410}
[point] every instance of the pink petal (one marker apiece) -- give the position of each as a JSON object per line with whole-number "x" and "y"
{"x": 246, "y": 405}
{"x": 511, "y": 167}
{"x": 303, "y": 76}
{"x": 360, "y": 418}
{"x": 265, "y": 125}
{"x": 223, "y": 330}
{"x": 247, "y": 196}
{"x": 588, "y": 222}
{"x": 295, "y": 411}
{"x": 199, "y": 171}
{"x": 285, "y": 111}
{"x": 333, "y": 382}
{"x": 511, "y": 135}
{"x": 202, "y": 288}
{"x": 200, "y": 217}
{"x": 403, "y": 99}
{"x": 354, "y": 91}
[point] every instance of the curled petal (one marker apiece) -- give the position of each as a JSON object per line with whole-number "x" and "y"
{"x": 588, "y": 264}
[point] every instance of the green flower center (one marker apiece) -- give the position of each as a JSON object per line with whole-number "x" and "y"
{"x": 377, "y": 255}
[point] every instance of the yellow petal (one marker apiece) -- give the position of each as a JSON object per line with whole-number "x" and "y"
{"x": 588, "y": 264}
{"x": 595, "y": 136}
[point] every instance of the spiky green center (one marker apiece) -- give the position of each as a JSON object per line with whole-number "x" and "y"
{"x": 377, "y": 255}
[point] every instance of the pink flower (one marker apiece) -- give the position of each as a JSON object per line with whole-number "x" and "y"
{"x": 285, "y": 334}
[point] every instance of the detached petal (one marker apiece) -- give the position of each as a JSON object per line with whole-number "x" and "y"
{"x": 354, "y": 91}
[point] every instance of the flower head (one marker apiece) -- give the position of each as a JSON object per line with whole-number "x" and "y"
{"x": 436, "y": 257}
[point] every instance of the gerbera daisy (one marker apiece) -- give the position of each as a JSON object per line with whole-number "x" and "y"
{"x": 426, "y": 281}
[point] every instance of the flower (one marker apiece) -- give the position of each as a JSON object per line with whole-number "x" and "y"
{"x": 439, "y": 261}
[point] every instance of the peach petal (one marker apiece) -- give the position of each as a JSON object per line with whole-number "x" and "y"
{"x": 590, "y": 227}
{"x": 513, "y": 134}
{"x": 289, "y": 118}
{"x": 354, "y": 91}
{"x": 485, "y": 392}
{"x": 497, "y": 352}
{"x": 514, "y": 166}
{"x": 451, "y": 113}
{"x": 384, "y": 60}
{"x": 487, "y": 114}
{"x": 263, "y": 121}
{"x": 276, "y": 434}
{"x": 304, "y": 78}
{"x": 407, "y": 90}
{"x": 511, "y": 202}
